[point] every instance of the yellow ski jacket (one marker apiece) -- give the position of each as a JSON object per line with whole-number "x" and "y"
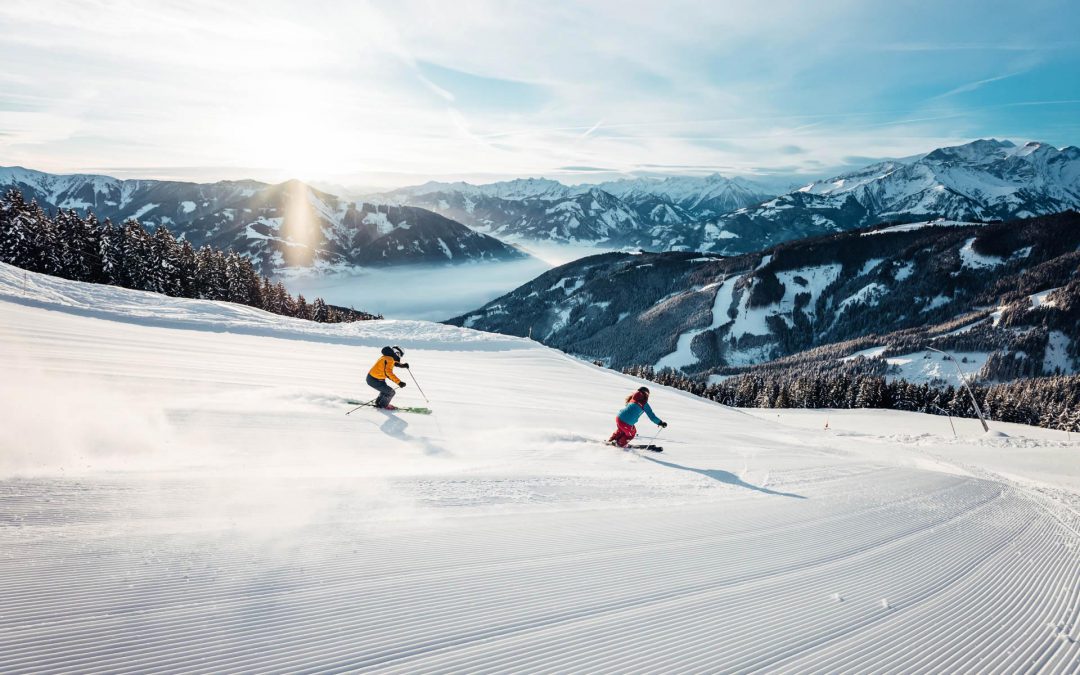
{"x": 384, "y": 370}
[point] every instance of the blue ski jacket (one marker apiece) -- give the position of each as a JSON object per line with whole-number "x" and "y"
{"x": 632, "y": 413}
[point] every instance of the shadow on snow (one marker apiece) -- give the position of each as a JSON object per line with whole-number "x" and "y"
{"x": 395, "y": 427}
{"x": 724, "y": 477}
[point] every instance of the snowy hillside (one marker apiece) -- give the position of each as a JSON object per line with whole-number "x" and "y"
{"x": 285, "y": 226}
{"x": 884, "y": 293}
{"x": 983, "y": 180}
{"x": 180, "y": 490}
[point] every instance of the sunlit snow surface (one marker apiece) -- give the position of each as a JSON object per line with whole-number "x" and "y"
{"x": 181, "y": 491}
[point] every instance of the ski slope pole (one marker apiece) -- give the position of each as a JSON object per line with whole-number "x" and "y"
{"x": 963, "y": 381}
{"x": 949, "y": 415}
{"x": 413, "y": 378}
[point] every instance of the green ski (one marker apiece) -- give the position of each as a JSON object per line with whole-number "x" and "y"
{"x": 418, "y": 411}
{"x": 369, "y": 404}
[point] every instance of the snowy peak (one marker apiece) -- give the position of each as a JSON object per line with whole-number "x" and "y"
{"x": 981, "y": 181}
{"x": 528, "y": 188}
{"x": 709, "y": 195}
{"x": 982, "y": 151}
{"x": 518, "y": 189}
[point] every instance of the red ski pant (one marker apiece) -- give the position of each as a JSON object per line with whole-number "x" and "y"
{"x": 624, "y": 433}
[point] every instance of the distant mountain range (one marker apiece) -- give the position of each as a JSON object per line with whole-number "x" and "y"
{"x": 982, "y": 180}
{"x": 1007, "y": 294}
{"x": 648, "y": 213}
{"x": 294, "y": 225}
{"x": 288, "y": 225}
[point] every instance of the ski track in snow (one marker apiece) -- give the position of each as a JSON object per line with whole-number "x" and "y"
{"x": 182, "y": 498}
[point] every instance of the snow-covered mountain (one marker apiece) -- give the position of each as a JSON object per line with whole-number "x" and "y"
{"x": 980, "y": 181}
{"x": 983, "y": 180}
{"x": 702, "y": 197}
{"x": 287, "y": 225}
{"x": 646, "y": 212}
{"x": 704, "y": 313}
{"x": 181, "y": 491}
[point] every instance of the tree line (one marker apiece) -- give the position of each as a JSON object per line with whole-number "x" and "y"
{"x": 81, "y": 248}
{"x": 1050, "y": 402}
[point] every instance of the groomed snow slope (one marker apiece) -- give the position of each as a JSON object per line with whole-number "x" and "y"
{"x": 180, "y": 491}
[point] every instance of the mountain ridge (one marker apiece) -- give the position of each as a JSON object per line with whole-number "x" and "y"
{"x": 982, "y": 180}
{"x": 279, "y": 226}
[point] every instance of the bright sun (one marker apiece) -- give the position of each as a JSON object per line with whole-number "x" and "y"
{"x": 300, "y": 136}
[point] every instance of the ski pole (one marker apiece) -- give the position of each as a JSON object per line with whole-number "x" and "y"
{"x": 413, "y": 378}
{"x": 371, "y": 402}
{"x": 652, "y": 440}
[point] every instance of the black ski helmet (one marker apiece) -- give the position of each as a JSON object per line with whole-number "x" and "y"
{"x": 399, "y": 351}
{"x": 644, "y": 390}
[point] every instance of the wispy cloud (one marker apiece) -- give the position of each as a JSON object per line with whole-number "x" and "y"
{"x": 590, "y": 130}
{"x": 956, "y": 46}
{"x": 407, "y": 90}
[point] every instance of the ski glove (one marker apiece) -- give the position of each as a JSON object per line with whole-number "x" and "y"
{"x": 663, "y": 425}
{"x": 401, "y": 384}
{"x": 403, "y": 365}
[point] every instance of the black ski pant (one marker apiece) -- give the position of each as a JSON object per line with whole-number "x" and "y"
{"x": 386, "y": 392}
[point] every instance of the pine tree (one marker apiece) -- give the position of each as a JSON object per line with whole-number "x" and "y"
{"x": 185, "y": 270}
{"x": 237, "y": 289}
{"x": 300, "y": 308}
{"x": 136, "y": 256}
{"x": 111, "y": 253}
{"x": 90, "y": 254}
{"x": 15, "y": 236}
{"x": 266, "y": 295}
{"x": 217, "y": 278}
{"x": 69, "y": 245}
{"x": 202, "y": 272}
{"x": 42, "y": 247}
{"x": 163, "y": 274}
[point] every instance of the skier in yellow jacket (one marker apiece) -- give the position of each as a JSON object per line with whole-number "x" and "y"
{"x": 382, "y": 371}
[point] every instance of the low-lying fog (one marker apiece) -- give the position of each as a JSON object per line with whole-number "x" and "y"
{"x": 434, "y": 293}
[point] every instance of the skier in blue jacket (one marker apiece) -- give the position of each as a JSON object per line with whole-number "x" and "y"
{"x": 636, "y": 404}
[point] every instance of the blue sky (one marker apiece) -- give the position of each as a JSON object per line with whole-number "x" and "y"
{"x": 390, "y": 93}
